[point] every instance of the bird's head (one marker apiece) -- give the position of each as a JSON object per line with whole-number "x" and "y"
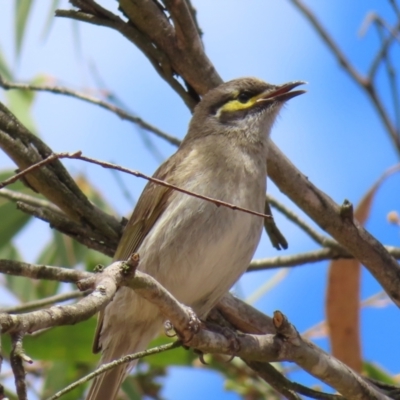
{"x": 245, "y": 107}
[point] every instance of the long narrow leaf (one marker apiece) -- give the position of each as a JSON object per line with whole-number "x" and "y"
{"x": 5, "y": 70}
{"x": 50, "y": 19}
{"x": 343, "y": 293}
{"x": 22, "y": 10}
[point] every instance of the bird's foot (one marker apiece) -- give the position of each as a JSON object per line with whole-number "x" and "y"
{"x": 169, "y": 329}
{"x": 186, "y": 334}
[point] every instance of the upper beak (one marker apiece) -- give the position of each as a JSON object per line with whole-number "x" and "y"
{"x": 282, "y": 92}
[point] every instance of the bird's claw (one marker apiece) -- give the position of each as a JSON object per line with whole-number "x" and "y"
{"x": 169, "y": 329}
{"x": 193, "y": 326}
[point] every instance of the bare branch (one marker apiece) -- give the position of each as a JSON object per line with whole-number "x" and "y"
{"x": 285, "y": 345}
{"x": 105, "y": 287}
{"x": 279, "y": 381}
{"x": 157, "y": 58}
{"x": 299, "y": 259}
{"x": 150, "y": 30}
{"x": 363, "y": 82}
{"x": 78, "y": 156}
{"x": 323, "y": 210}
{"x": 26, "y": 198}
{"x": 93, "y": 100}
{"x": 395, "y": 8}
{"x": 186, "y": 31}
{"x": 390, "y": 70}
{"x": 296, "y": 260}
{"x": 336, "y": 51}
{"x": 322, "y": 365}
{"x": 32, "y": 305}
{"x": 244, "y": 317}
{"x": 19, "y": 268}
{"x": 17, "y": 357}
{"x": 53, "y": 181}
{"x": 383, "y": 50}
{"x": 84, "y": 234}
{"x": 274, "y": 378}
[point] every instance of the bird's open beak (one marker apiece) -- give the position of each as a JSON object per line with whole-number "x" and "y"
{"x": 282, "y": 92}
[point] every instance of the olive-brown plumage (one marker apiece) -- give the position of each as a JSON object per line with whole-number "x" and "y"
{"x": 196, "y": 250}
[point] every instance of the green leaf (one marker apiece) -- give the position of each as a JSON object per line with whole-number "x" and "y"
{"x": 22, "y": 288}
{"x": 67, "y": 353}
{"x": 50, "y": 18}
{"x": 20, "y": 103}
{"x": 22, "y": 9}
{"x": 12, "y": 219}
{"x": 72, "y": 343}
{"x": 93, "y": 194}
{"x": 9, "y": 252}
{"x": 59, "y": 375}
{"x": 62, "y": 251}
{"x": 9, "y": 394}
{"x": 375, "y": 371}
{"x": 130, "y": 388}
{"x": 76, "y": 38}
{"x": 94, "y": 258}
{"x": 4, "y": 68}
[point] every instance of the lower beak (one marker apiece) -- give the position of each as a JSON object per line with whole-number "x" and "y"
{"x": 282, "y": 92}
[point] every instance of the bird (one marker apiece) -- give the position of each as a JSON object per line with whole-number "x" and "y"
{"x": 192, "y": 247}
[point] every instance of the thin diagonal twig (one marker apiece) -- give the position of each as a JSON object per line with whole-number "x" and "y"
{"x": 93, "y": 100}
{"x": 390, "y": 70}
{"x": 78, "y": 156}
{"x": 43, "y": 302}
{"x": 106, "y": 367}
{"x": 365, "y": 83}
{"x": 26, "y": 198}
{"x": 383, "y": 50}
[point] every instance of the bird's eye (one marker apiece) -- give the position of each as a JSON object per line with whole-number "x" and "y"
{"x": 244, "y": 97}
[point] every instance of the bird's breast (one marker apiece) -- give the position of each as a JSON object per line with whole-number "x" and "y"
{"x": 198, "y": 249}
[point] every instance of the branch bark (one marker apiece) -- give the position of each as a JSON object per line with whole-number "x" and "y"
{"x": 281, "y": 342}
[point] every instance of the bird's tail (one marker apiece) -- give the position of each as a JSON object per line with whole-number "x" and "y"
{"x": 106, "y": 385}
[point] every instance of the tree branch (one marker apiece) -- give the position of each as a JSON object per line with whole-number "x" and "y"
{"x": 83, "y": 234}
{"x": 32, "y": 305}
{"x": 78, "y": 156}
{"x": 279, "y": 381}
{"x": 17, "y": 357}
{"x": 53, "y": 181}
{"x": 286, "y": 344}
{"x": 323, "y": 210}
{"x": 363, "y": 82}
{"x": 19, "y": 268}
{"x": 93, "y": 100}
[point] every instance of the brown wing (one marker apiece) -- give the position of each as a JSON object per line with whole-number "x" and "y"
{"x": 151, "y": 204}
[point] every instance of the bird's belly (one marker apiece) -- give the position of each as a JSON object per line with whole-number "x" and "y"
{"x": 204, "y": 250}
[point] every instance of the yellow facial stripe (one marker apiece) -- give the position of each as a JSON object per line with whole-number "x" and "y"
{"x": 236, "y": 105}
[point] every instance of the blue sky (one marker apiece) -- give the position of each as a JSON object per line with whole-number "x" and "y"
{"x": 332, "y": 134}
